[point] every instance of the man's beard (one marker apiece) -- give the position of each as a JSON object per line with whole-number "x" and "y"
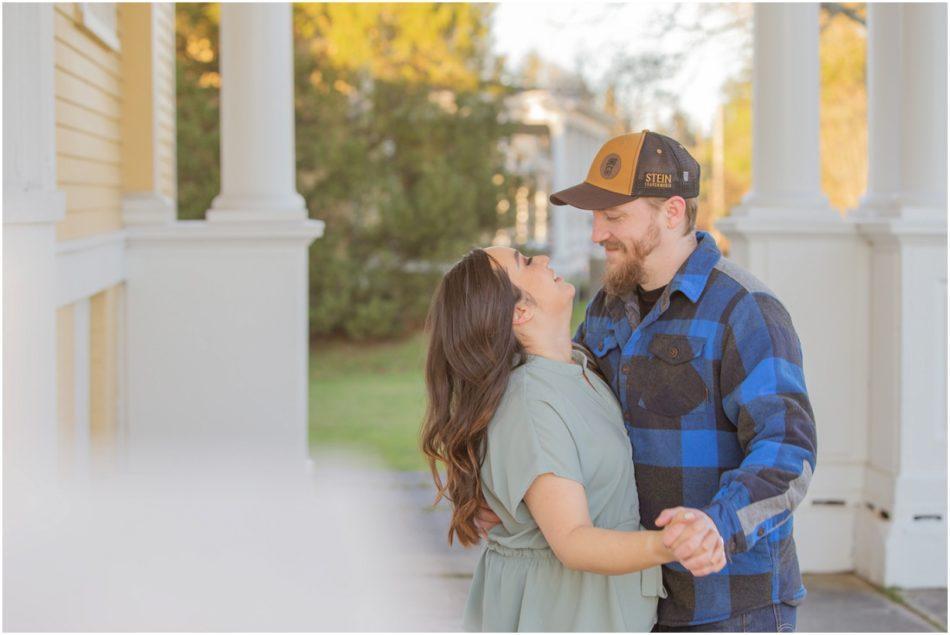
{"x": 623, "y": 277}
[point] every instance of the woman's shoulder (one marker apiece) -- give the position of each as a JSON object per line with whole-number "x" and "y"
{"x": 528, "y": 388}
{"x": 525, "y": 399}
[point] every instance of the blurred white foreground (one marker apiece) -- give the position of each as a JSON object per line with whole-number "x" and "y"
{"x": 201, "y": 542}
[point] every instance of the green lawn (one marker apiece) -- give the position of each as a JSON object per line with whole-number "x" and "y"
{"x": 371, "y": 397}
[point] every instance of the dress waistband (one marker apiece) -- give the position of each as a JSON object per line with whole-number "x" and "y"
{"x": 630, "y": 524}
{"x": 543, "y": 552}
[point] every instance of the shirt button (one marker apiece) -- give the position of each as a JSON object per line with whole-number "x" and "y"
{"x": 761, "y": 531}
{"x": 625, "y": 369}
{"x": 674, "y": 352}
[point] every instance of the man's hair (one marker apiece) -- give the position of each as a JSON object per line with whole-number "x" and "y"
{"x": 692, "y": 206}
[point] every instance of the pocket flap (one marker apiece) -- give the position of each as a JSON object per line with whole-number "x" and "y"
{"x": 600, "y": 343}
{"x": 676, "y": 349}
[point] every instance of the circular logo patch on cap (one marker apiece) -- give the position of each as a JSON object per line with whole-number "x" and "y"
{"x": 610, "y": 166}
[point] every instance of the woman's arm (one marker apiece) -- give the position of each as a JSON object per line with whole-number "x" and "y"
{"x": 559, "y": 506}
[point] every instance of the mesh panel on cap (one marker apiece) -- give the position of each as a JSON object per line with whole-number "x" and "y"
{"x": 686, "y": 163}
{"x": 657, "y": 169}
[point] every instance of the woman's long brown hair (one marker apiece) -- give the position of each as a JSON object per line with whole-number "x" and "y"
{"x": 472, "y": 351}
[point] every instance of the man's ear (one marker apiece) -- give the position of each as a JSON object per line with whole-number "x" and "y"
{"x": 523, "y": 313}
{"x": 674, "y": 211}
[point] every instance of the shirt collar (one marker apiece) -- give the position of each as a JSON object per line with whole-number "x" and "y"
{"x": 692, "y": 276}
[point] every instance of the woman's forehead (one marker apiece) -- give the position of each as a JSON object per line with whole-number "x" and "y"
{"x": 506, "y": 256}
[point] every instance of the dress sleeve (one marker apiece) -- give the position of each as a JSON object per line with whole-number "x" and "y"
{"x": 528, "y": 441}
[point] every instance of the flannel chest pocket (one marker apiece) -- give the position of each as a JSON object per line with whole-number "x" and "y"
{"x": 667, "y": 381}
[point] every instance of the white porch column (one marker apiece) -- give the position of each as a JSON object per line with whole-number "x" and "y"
{"x": 258, "y": 166}
{"x": 218, "y": 334}
{"x": 786, "y": 171}
{"x": 787, "y": 235}
{"x": 31, "y": 207}
{"x": 884, "y": 110}
{"x": 901, "y": 536}
{"x": 924, "y": 112}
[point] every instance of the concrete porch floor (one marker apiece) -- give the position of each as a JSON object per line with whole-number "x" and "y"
{"x": 194, "y": 542}
{"x": 835, "y": 602}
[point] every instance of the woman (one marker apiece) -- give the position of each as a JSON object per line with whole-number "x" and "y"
{"x": 520, "y": 423}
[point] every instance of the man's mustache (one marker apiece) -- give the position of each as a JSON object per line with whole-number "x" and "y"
{"x": 606, "y": 244}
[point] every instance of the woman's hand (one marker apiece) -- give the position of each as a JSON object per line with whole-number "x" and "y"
{"x": 485, "y": 520}
{"x": 657, "y": 545}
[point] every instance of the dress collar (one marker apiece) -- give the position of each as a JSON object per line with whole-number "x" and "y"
{"x": 565, "y": 368}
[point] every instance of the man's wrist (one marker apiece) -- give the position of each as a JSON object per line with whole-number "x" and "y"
{"x": 721, "y": 515}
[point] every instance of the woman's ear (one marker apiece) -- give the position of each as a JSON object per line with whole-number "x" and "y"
{"x": 522, "y": 314}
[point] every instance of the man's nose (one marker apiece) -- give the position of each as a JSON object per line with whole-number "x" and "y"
{"x": 598, "y": 233}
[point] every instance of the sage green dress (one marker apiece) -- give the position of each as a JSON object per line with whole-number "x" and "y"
{"x": 551, "y": 419}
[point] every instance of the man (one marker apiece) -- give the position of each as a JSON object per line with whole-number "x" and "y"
{"x": 708, "y": 370}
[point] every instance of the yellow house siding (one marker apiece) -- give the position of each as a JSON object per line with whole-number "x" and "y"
{"x": 148, "y": 115}
{"x": 103, "y": 372}
{"x": 103, "y": 375}
{"x": 68, "y": 31}
{"x": 88, "y": 98}
{"x": 165, "y": 103}
{"x": 76, "y": 170}
{"x": 137, "y": 124}
{"x": 89, "y": 95}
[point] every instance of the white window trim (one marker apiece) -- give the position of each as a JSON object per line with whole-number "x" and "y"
{"x": 106, "y": 33}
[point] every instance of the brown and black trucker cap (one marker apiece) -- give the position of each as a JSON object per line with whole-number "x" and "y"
{"x": 632, "y": 165}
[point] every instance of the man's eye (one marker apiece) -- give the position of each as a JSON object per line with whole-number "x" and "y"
{"x": 528, "y": 262}
{"x": 612, "y": 218}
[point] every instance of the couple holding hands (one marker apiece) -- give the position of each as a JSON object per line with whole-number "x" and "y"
{"x": 642, "y": 474}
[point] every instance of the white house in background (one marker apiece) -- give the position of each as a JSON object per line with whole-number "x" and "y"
{"x": 123, "y": 326}
{"x": 558, "y": 134}
{"x": 867, "y": 293}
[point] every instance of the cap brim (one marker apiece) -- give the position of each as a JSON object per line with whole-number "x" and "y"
{"x": 587, "y": 196}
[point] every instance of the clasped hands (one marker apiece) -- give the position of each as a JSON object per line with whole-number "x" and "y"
{"x": 689, "y": 534}
{"x": 693, "y": 539}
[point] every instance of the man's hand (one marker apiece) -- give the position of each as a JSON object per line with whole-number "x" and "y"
{"x": 485, "y": 520}
{"x": 694, "y": 540}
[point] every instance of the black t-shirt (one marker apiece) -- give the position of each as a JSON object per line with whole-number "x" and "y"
{"x": 646, "y": 299}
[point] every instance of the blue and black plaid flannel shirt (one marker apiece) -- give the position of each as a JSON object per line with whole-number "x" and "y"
{"x": 714, "y": 400}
